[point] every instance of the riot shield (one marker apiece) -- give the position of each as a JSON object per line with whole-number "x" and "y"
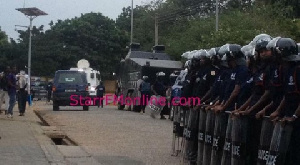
{"x": 265, "y": 141}
{"x": 191, "y": 136}
{"x": 201, "y": 133}
{"x": 185, "y": 130}
{"x": 208, "y": 140}
{"x": 219, "y": 138}
{"x": 279, "y": 144}
{"x": 177, "y": 130}
{"x": 226, "y": 155}
{"x": 239, "y": 139}
{"x": 154, "y": 108}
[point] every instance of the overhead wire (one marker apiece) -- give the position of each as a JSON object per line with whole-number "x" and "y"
{"x": 188, "y": 11}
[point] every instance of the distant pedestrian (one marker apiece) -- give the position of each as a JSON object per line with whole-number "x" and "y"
{"x": 100, "y": 93}
{"x": 22, "y": 92}
{"x": 4, "y": 90}
{"x": 12, "y": 91}
{"x": 49, "y": 91}
{"x": 145, "y": 89}
{"x": 159, "y": 89}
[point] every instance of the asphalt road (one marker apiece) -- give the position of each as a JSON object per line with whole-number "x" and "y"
{"x": 114, "y": 137}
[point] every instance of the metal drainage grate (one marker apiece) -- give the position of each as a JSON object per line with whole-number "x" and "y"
{"x": 63, "y": 141}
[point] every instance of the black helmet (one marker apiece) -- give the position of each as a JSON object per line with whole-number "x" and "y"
{"x": 261, "y": 41}
{"x": 285, "y": 48}
{"x": 233, "y": 52}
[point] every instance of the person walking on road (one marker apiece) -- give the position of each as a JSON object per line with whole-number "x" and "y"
{"x": 100, "y": 93}
{"x": 145, "y": 89}
{"x": 49, "y": 91}
{"x": 3, "y": 90}
{"x": 159, "y": 89}
{"x": 22, "y": 93}
{"x": 12, "y": 90}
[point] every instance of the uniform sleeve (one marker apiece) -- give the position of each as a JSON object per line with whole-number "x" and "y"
{"x": 211, "y": 77}
{"x": 298, "y": 78}
{"x": 241, "y": 76}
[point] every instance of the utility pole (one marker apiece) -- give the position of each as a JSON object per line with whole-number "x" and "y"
{"x": 131, "y": 38}
{"x": 156, "y": 30}
{"x": 217, "y": 15}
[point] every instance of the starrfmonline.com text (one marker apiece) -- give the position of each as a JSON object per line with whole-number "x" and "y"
{"x": 78, "y": 100}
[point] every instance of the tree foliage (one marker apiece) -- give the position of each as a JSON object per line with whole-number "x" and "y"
{"x": 183, "y": 25}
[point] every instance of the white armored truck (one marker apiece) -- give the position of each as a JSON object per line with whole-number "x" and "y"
{"x": 92, "y": 76}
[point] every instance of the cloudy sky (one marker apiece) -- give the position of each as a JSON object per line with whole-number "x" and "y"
{"x": 57, "y": 9}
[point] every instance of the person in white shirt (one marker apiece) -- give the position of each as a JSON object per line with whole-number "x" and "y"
{"x": 22, "y": 93}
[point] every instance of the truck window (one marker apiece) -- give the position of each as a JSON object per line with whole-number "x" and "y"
{"x": 92, "y": 75}
{"x": 70, "y": 78}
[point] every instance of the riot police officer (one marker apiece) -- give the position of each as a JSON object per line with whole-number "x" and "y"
{"x": 239, "y": 73}
{"x": 286, "y": 49}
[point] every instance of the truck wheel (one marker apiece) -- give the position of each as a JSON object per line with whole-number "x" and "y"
{"x": 136, "y": 108}
{"x": 55, "y": 106}
{"x": 85, "y": 108}
{"x": 129, "y": 108}
{"x": 120, "y": 107}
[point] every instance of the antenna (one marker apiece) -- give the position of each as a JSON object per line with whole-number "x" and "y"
{"x": 24, "y": 4}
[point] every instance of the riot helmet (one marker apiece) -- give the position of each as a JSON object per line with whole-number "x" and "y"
{"x": 187, "y": 64}
{"x": 260, "y": 41}
{"x": 249, "y": 51}
{"x": 187, "y": 55}
{"x": 145, "y": 77}
{"x": 160, "y": 76}
{"x": 173, "y": 78}
{"x": 234, "y": 54}
{"x": 202, "y": 56}
{"x": 284, "y": 48}
{"x": 222, "y": 54}
{"x": 214, "y": 56}
{"x": 195, "y": 61}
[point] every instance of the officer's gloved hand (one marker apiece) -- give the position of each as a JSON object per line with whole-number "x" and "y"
{"x": 260, "y": 114}
{"x": 274, "y": 115}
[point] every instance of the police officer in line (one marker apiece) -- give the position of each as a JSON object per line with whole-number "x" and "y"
{"x": 274, "y": 85}
{"x": 273, "y": 89}
{"x": 260, "y": 65}
{"x": 217, "y": 93}
{"x": 213, "y": 72}
{"x": 206, "y": 77}
{"x": 190, "y": 150}
{"x": 252, "y": 93}
{"x": 286, "y": 50}
{"x": 239, "y": 73}
{"x": 201, "y": 86}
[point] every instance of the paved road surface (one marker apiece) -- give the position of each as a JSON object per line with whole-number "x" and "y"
{"x": 115, "y": 137}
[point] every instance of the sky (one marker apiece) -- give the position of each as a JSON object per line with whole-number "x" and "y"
{"x": 56, "y": 9}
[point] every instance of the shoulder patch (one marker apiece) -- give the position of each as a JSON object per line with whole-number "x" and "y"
{"x": 213, "y": 73}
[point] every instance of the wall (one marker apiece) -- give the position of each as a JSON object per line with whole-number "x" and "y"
{"x": 110, "y": 86}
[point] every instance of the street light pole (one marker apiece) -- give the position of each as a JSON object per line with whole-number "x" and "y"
{"x": 31, "y": 13}
{"x": 29, "y": 54}
{"x": 217, "y": 15}
{"x": 156, "y": 30}
{"x": 131, "y": 37}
